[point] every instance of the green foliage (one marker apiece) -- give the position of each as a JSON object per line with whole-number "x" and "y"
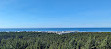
{"x": 38, "y": 40}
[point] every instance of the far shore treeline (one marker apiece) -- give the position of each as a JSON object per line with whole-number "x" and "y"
{"x": 38, "y": 40}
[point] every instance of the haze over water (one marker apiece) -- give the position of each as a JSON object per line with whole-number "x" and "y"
{"x": 58, "y": 29}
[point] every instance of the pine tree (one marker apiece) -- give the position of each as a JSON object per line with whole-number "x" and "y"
{"x": 104, "y": 43}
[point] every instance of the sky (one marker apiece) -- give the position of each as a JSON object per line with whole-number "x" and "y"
{"x": 55, "y": 13}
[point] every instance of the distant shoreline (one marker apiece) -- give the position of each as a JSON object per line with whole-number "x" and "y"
{"x": 56, "y": 32}
{"x": 55, "y": 29}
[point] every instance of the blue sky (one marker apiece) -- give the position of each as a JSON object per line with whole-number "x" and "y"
{"x": 55, "y": 13}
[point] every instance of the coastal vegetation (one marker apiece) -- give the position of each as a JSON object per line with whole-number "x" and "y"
{"x": 38, "y": 40}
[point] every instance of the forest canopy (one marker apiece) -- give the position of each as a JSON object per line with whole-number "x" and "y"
{"x": 38, "y": 40}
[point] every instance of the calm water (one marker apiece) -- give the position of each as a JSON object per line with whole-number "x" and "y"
{"x": 58, "y": 29}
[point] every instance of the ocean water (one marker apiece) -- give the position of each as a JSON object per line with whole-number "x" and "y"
{"x": 58, "y": 29}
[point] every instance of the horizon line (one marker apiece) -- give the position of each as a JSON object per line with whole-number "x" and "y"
{"x": 59, "y": 27}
